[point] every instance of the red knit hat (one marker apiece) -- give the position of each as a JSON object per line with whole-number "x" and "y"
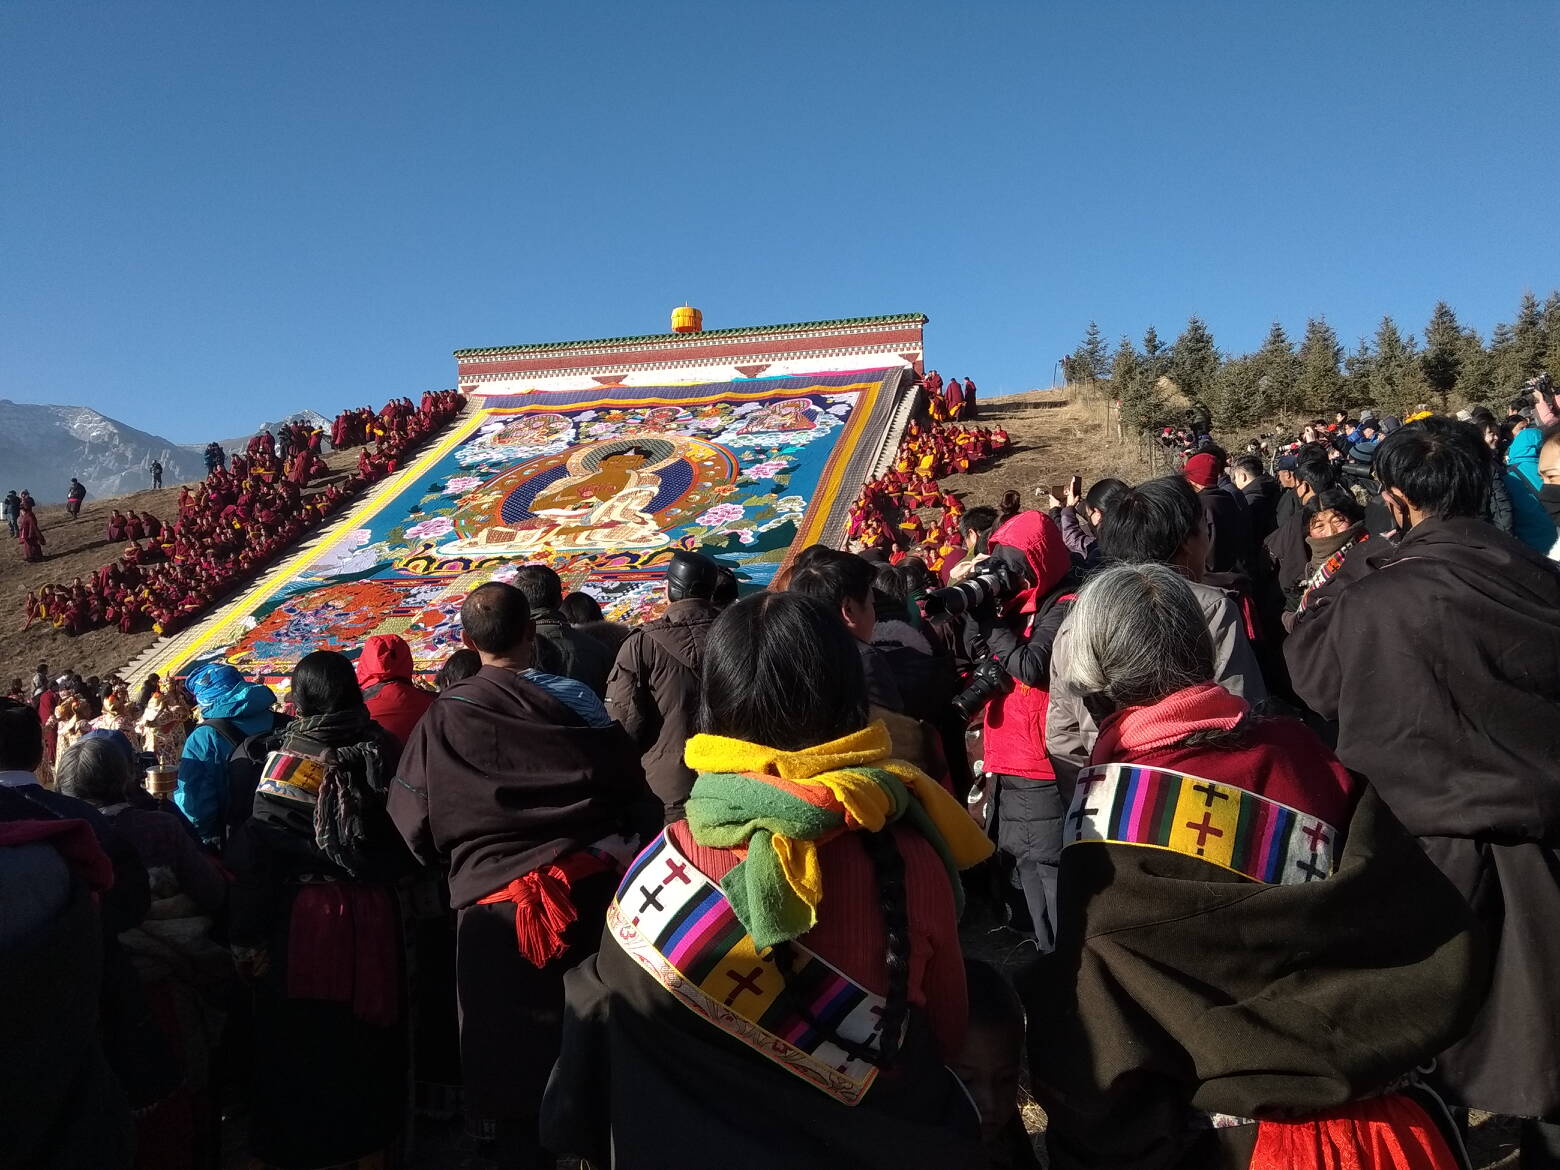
{"x": 1202, "y": 470}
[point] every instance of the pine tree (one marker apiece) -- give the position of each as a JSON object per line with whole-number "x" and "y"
{"x": 1476, "y": 373}
{"x": 1391, "y": 357}
{"x": 1552, "y": 333}
{"x": 1358, "y": 382}
{"x": 1152, "y": 346}
{"x": 1236, "y": 395}
{"x": 1277, "y": 371}
{"x": 1155, "y": 363}
{"x": 1124, "y": 369}
{"x": 1319, "y": 385}
{"x": 1441, "y": 363}
{"x": 1091, "y": 360}
{"x": 1396, "y": 381}
{"x": 1137, "y": 392}
{"x": 1520, "y": 349}
{"x": 1194, "y": 360}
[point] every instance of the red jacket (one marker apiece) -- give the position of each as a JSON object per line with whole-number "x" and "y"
{"x": 384, "y": 671}
{"x": 1015, "y": 722}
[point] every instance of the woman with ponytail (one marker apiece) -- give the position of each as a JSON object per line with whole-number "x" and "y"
{"x": 780, "y": 982}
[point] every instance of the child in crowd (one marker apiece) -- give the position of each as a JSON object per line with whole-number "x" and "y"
{"x": 989, "y": 1066}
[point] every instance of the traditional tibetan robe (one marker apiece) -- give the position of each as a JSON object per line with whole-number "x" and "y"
{"x": 1254, "y": 956}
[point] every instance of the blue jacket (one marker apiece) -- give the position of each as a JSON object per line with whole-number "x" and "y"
{"x": 1530, "y": 522}
{"x": 203, "y": 773}
{"x": 1522, "y": 455}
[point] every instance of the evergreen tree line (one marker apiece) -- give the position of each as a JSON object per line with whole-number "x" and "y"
{"x": 1394, "y": 372}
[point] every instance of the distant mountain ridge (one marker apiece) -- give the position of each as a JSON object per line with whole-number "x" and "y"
{"x": 42, "y": 446}
{"x": 312, "y": 417}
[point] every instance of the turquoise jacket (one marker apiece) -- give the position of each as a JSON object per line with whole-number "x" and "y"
{"x": 1522, "y": 455}
{"x": 221, "y": 693}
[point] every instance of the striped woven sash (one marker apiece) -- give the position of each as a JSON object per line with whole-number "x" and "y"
{"x": 677, "y": 925}
{"x": 1266, "y": 841}
{"x": 292, "y": 776}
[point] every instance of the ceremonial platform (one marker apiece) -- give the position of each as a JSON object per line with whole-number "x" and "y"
{"x": 598, "y": 458}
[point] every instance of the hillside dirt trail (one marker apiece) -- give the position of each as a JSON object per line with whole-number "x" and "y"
{"x": 1054, "y": 434}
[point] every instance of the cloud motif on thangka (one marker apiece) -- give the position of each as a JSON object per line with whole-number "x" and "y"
{"x": 354, "y": 553}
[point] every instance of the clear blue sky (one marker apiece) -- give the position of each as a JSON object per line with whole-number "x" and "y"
{"x": 211, "y": 213}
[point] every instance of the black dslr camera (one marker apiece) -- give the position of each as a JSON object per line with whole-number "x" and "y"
{"x": 987, "y": 681}
{"x": 1544, "y": 388}
{"x": 995, "y": 580}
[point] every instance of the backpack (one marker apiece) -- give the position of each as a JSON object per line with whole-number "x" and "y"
{"x": 245, "y": 763}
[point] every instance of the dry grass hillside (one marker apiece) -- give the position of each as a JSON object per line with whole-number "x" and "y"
{"x": 78, "y": 549}
{"x": 1054, "y": 434}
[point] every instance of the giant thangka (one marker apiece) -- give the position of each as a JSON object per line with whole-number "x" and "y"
{"x": 603, "y": 485}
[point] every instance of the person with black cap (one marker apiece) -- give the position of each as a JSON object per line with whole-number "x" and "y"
{"x": 653, "y": 690}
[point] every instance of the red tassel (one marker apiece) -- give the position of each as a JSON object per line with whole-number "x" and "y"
{"x": 542, "y": 913}
{"x": 543, "y": 907}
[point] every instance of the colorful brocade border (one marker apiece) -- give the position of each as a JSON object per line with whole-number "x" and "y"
{"x": 1238, "y": 830}
{"x": 678, "y": 926}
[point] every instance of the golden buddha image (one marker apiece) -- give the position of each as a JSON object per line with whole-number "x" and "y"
{"x": 603, "y": 501}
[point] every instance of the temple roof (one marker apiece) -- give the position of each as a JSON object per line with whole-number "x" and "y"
{"x": 749, "y": 331}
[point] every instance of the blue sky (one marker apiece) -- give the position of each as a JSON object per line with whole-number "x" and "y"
{"x": 213, "y": 213}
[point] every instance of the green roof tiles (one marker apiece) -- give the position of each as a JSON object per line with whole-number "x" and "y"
{"x": 842, "y": 323}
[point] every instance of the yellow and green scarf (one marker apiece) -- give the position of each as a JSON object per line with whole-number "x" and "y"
{"x": 780, "y": 806}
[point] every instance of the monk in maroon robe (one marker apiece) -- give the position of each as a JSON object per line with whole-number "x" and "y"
{"x": 30, "y": 534}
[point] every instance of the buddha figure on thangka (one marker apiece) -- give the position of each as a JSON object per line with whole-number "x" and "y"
{"x": 622, "y": 494}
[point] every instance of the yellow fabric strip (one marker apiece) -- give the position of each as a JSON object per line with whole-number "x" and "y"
{"x": 827, "y": 766}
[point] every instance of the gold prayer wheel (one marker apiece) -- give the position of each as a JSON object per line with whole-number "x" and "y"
{"x": 162, "y": 779}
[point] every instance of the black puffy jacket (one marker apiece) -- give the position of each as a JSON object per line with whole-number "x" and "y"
{"x": 653, "y": 692}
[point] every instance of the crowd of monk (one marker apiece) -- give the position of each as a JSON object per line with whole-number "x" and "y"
{"x": 950, "y": 401}
{"x": 249, "y": 509}
{"x": 356, "y": 428}
{"x": 886, "y": 515}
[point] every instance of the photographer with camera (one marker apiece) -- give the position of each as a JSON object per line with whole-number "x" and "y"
{"x": 1018, "y": 601}
{"x": 975, "y": 527}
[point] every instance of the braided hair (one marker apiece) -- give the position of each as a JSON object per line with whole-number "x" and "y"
{"x": 888, "y": 868}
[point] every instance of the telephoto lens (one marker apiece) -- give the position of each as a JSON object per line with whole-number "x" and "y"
{"x": 994, "y": 580}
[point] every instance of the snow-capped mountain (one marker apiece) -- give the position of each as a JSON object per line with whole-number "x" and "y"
{"x": 42, "y": 446}
{"x": 312, "y": 417}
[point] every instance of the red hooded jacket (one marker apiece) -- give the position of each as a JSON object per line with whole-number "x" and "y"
{"x": 1015, "y": 722}
{"x": 384, "y": 671}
